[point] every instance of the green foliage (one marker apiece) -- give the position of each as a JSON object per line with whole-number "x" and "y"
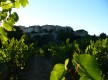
{"x": 60, "y": 52}
{"x": 23, "y": 2}
{"x": 83, "y": 42}
{"x": 67, "y": 40}
{"x": 87, "y": 67}
{"x": 66, "y": 63}
{"x": 59, "y": 71}
{"x": 92, "y": 65}
{"x": 102, "y": 36}
{"x": 14, "y": 56}
{"x": 7, "y": 18}
{"x": 16, "y": 52}
{"x": 3, "y": 34}
{"x": 17, "y": 34}
{"x": 99, "y": 50}
{"x": 63, "y": 35}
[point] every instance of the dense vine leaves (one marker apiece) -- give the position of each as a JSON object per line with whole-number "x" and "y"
{"x": 3, "y": 35}
{"x": 7, "y": 18}
{"x": 90, "y": 65}
{"x": 99, "y": 50}
{"x": 87, "y": 67}
{"x": 14, "y": 54}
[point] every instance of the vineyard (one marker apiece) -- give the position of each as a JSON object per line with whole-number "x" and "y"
{"x": 70, "y": 61}
{"x": 73, "y": 57}
{"x": 90, "y": 65}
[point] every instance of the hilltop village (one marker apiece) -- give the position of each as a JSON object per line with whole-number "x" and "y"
{"x": 55, "y": 33}
{"x": 51, "y": 29}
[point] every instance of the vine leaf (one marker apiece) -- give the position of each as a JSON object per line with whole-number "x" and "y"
{"x": 58, "y": 72}
{"x": 88, "y": 69}
{"x": 7, "y": 6}
{"x": 23, "y": 2}
{"x": 3, "y": 34}
{"x": 16, "y": 4}
{"x": 7, "y": 26}
{"x": 84, "y": 78}
{"x": 7, "y": 18}
{"x": 15, "y": 16}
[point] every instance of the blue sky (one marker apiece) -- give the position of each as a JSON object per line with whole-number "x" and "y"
{"x": 91, "y": 15}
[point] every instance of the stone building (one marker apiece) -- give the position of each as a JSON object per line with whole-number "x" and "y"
{"x": 81, "y": 33}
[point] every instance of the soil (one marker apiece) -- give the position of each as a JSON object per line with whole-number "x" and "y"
{"x": 37, "y": 69}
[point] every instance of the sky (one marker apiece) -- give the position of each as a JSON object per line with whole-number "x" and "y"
{"x": 90, "y": 15}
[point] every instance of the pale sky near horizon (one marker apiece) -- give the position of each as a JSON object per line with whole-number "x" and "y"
{"x": 91, "y": 15}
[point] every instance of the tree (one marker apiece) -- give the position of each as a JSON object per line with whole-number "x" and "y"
{"x": 63, "y": 35}
{"x": 16, "y": 34}
{"x": 7, "y": 17}
{"x": 102, "y": 36}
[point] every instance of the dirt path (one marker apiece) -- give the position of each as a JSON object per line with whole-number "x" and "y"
{"x": 37, "y": 69}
